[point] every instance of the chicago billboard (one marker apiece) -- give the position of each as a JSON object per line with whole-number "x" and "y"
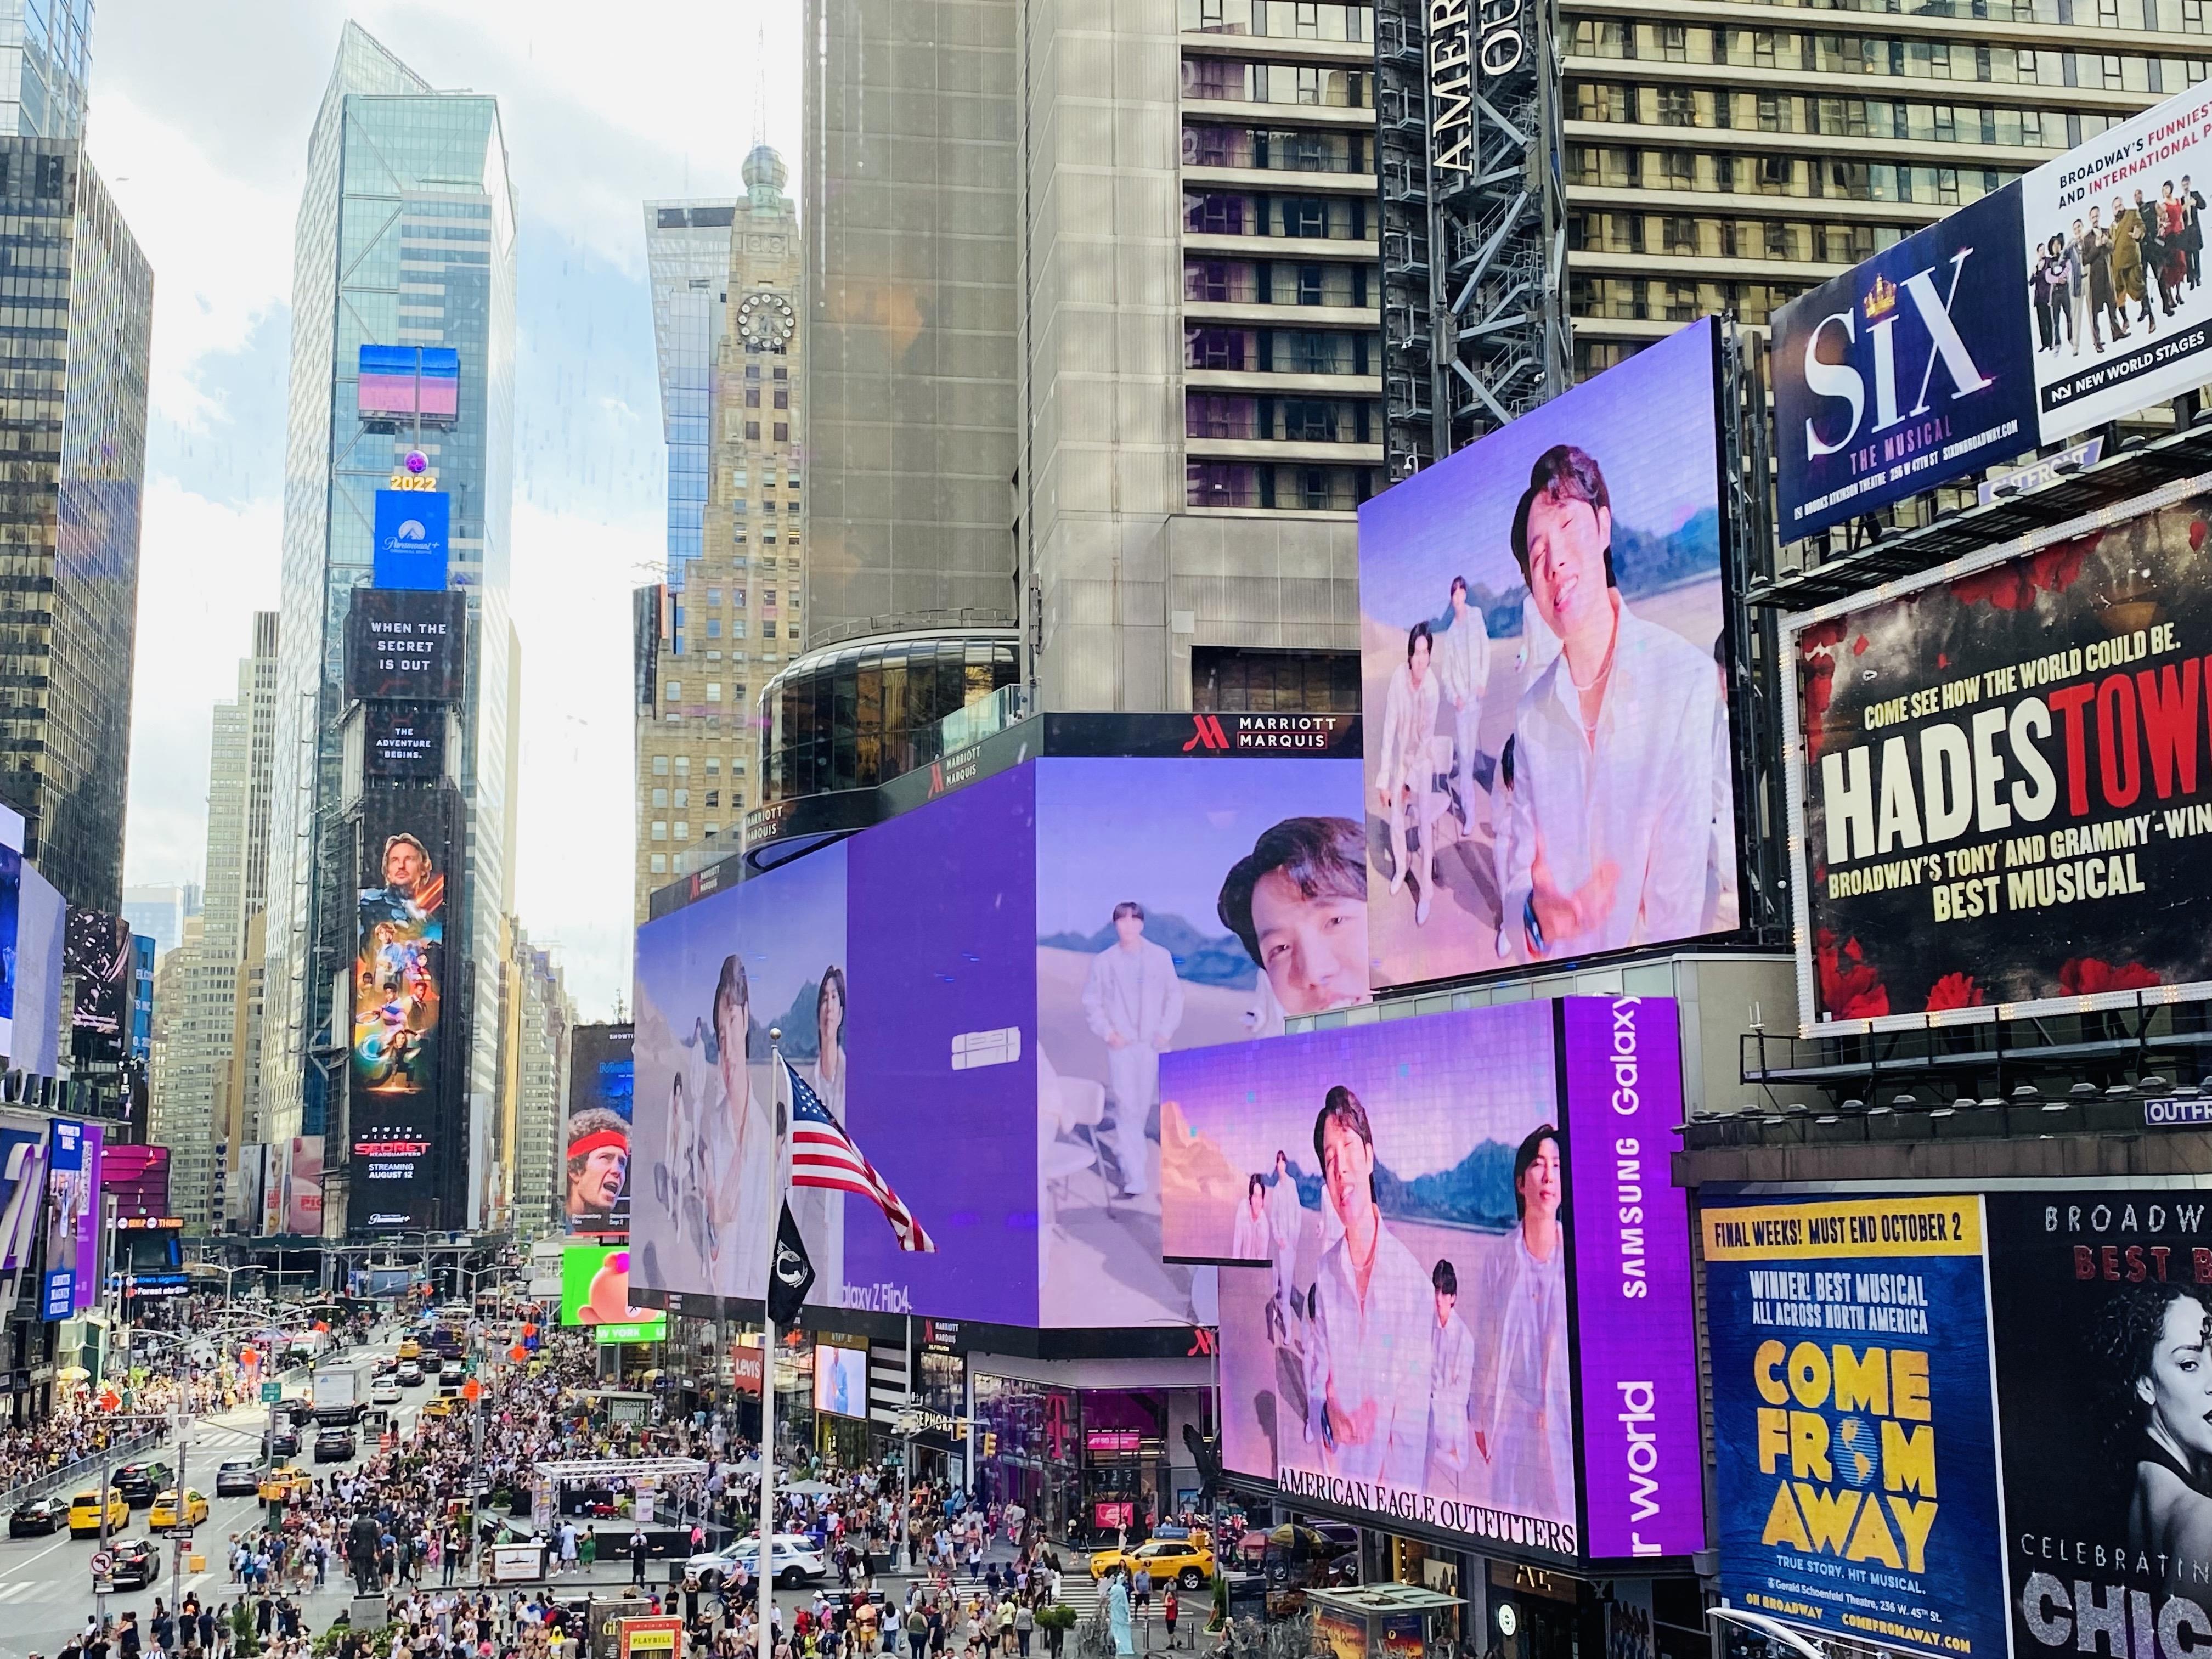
{"x": 1547, "y": 735}
{"x": 1503, "y": 1174}
{"x": 1996, "y": 787}
{"x": 1967, "y": 1424}
{"x": 2068, "y": 298}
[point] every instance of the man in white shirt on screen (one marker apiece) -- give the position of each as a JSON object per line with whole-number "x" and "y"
{"x": 1133, "y": 1001}
{"x": 1612, "y": 802}
{"x": 1367, "y": 1345}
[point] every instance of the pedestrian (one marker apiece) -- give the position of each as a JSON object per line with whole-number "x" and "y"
{"x": 637, "y": 1548}
{"x": 917, "y": 1630}
{"x": 1168, "y": 1610}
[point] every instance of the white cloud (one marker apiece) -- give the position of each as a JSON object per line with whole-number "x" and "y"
{"x": 203, "y": 570}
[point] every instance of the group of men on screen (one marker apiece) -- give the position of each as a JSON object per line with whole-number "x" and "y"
{"x": 1401, "y": 1386}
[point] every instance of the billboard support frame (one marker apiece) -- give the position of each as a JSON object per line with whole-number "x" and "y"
{"x": 1753, "y": 639}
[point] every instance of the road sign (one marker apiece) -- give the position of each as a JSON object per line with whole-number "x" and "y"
{"x": 103, "y": 1563}
{"x": 471, "y": 1390}
{"x": 271, "y": 1392}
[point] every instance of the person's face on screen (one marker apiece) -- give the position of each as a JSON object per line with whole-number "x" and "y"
{"x": 1313, "y": 950}
{"x": 403, "y": 867}
{"x": 830, "y": 1020}
{"x": 2179, "y": 1389}
{"x": 1347, "y": 1163}
{"x": 1446, "y": 1300}
{"x": 1567, "y": 541}
{"x": 731, "y": 1021}
{"x": 602, "y": 1180}
{"x": 1128, "y": 929}
{"x": 1540, "y": 1182}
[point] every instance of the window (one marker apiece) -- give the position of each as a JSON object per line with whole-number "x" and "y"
{"x": 1309, "y": 421}
{"x": 1312, "y": 286}
{"x": 1309, "y": 88}
{"x": 782, "y": 432}
{"x": 713, "y": 627}
{"x": 660, "y": 798}
{"x": 1676, "y": 107}
{"x": 682, "y": 797}
{"x": 768, "y": 630}
{"x": 675, "y": 691}
{"x": 660, "y": 864}
{"x": 713, "y": 691}
{"x": 713, "y": 798}
{"x": 1305, "y": 218}
{"x": 660, "y": 829}
{"x": 752, "y": 430}
{"x": 752, "y": 397}
{"x": 660, "y": 766}
{"x": 683, "y": 831}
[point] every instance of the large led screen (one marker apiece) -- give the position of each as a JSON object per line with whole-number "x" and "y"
{"x": 404, "y": 1141}
{"x": 841, "y": 1380}
{"x": 595, "y": 1191}
{"x": 1180, "y": 905}
{"x": 98, "y": 957}
{"x": 72, "y": 1210}
{"x": 2000, "y": 787}
{"x": 1411, "y": 1347}
{"x": 712, "y": 981}
{"x": 1547, "y": 733}
{"x": 595, "y": 1291}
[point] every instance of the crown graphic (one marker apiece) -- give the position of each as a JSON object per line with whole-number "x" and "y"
{"x": 1881, "y": 300}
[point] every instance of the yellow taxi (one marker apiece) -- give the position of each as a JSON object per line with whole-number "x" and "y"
{"x": 1185, "y": 1561}
{"x": 409, "y": 1348}
{"x": 163, "y": 1516}
{"x": 441, "y": 1407}
{"x": 84, "y": 1513}
{"x": 278, "y": 1486}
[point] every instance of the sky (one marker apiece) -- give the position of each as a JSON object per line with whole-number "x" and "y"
{"x": 200, "y": 121}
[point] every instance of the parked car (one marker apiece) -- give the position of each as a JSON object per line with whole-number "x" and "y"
{"x": 38, "y": 1516}
{"x": 334, "y": 1445}
{"x": 137, "y": 1563}
{"x": 138, "y": 1482}
{"x": 239, "y": 1477}
{"x": 797, "y": 1561}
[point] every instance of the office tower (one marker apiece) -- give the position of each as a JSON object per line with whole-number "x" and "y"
{"x": 731, "y": 615}
{"x": 45, "y": 61}
{"x": 1734, "y": 161}
{"x": 687, "y": 257}
{"x": 159, "y": 910}
{"x": 405, "y": 238}
{"x": 538, "y": 1064}
{"x": 1163, "y": 273}
{"x": 77, "y": 296}
{"x": 197, "y": 990}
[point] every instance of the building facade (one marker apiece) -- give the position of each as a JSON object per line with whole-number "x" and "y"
{"x": 159, "y": 910}
{"x": 1127, "y": 279}
{"x": 45, "y": 67}
{"x": 543, "y": 1018}
{"x": 78, "y": 295}
{"x": 733, "y": 615}
{"x": 687, "y": 258}
{"x": 405, "y": 236}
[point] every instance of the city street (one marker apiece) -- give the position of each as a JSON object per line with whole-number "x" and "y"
{"x": 46, "y": 1584}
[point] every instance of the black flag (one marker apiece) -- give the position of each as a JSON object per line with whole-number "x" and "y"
{"x": 791, "y": 1275}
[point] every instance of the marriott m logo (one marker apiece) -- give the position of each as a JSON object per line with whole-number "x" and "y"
{"x": 1209, "y": 735}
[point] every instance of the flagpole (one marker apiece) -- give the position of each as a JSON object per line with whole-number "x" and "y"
{"x": 772, "y": 1211}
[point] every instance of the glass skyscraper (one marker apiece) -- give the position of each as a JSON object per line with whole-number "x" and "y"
{"x": 687, "y": 253}
{"x": 46, "y": 58}
{"x": 405, "y": 237}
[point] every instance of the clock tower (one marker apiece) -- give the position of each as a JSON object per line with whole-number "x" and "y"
{"x": 731, "y": 617}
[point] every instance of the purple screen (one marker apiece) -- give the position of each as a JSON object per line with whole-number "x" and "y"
{"x": 1641, "y": 1477}
{"x": 943, "y": 1090}
{"x": 88, "y": 1230}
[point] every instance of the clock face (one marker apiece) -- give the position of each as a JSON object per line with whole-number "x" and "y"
{"x": 765, "y": 318}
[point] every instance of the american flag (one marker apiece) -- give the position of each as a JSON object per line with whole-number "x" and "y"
{"x": 823, "y": 1154}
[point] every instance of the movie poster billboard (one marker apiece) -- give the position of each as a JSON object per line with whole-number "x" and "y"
{"x": 72, "y": 1202}
{"x": 400, "y": 1120}
{"x": 405, "y": 644}
{"x": 595, "y": 1191}
{"x": 1451, "y": 1155}
{"x": 1908, "y": 369}
{"x": 1180, "y": 905}
{"x": 1547, "y": 737}
{"x": 1852, "y": 1432}
{"x": 1996, "y": 779}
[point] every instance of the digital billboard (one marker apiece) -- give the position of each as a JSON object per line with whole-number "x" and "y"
{"x": 403, "y": 742}
{"x": 413, "y": 532}
{"x": 1180, "y": 905}
{"x": 400, "y": 382}
{"x": 1417, "y": 1345}
{"x": 137, "y": 1178}
{"x": 400, "y": 1122}
{"x": 405, "y": 645}
{"x": 37, "y": 980}
{"x": 1910, "y": 368}
{"x": 1547, "y": 736}
{"x": 595, "y": 1291}
{"x": 841, "y": 1380}
{"x": 72, "y": 1217}
{"x": 1995, "y": 781}
{"x": 11, "y": 901}
{"x": 711, "y": 981}
{"x": 300, "y": 1191}
{"x": 98, "y": 956}
{"x": 595, "y": 1189}
{"x": 1962, "y": 1425}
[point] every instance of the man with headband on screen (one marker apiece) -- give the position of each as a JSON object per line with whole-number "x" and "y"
{"x": 1610, "y": 828}
{"x": 1367, "y": 1345}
